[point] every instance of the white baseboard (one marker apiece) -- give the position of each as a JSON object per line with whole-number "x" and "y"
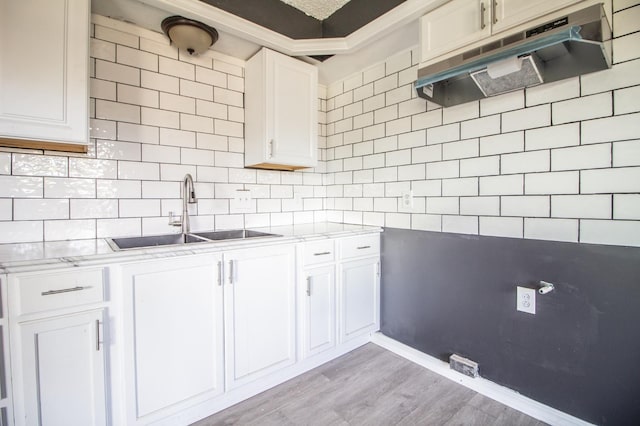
{"x": 485, "y": 387}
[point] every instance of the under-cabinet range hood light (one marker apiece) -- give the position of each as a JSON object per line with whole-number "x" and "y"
{"x": 568, "y": 46}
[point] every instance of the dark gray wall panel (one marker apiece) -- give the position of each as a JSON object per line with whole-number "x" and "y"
{"x": 448, "y": 293}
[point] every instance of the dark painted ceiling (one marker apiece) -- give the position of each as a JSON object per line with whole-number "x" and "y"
{"x": 291, "y": 22}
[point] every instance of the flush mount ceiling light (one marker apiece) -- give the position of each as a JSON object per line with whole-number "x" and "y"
{"x": 187, "y": 34}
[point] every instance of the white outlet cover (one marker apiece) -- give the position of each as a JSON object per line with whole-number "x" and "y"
{"x": 526, "y": 300}
{"x": 243, "y": 199}
{"x": 407, "y": 199}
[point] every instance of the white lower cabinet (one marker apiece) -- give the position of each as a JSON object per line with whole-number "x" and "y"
{"x": 319, "y": 321}
{"x": 58, "y": 347}
{"x": 173, "y": 321}
{"x": 260, "y": 326}
{"x": 359, "y": 297}
{"x": 63, "y": 374}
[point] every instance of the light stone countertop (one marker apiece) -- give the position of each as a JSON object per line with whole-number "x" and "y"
{"x": 24, "y": 257}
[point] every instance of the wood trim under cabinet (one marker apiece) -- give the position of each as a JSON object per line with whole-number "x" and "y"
{"x": 45, "y": 145}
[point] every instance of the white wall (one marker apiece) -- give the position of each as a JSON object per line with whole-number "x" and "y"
{"x": 555, "y": 162}
{"x": 155, "y": 116}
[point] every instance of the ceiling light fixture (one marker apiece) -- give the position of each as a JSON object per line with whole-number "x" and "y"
{"x": 187, "y": 34}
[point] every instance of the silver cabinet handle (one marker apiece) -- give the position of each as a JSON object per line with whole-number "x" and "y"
{"x": 363, "y": 247}
{"x": 271, "y": 148}
{"x": 97, "y": 335}
{"x": 64, "y": 290}
{"x": 308, "y": 286}
{"x": 494, "y": 15}
{"x": 482, "y": 10}
{"x": 378, "y": 271}
{"x": 231, "y": 271}
{"x": 220, "y": 273}
{"x": 324, "y": 253}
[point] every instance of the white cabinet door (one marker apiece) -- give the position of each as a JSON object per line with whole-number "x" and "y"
{"x": 174, "y": 333}
{"x": 359, "y": 297}
{"x": 510, "y": 13}
{"x": 320, "y": 309}
{"x": 61, "y": 378}
{"x": 44, "y": 70}
{"x": 260, "y": 312}
{"x": 453, "y": 25}
{"x": 281, "y": 95}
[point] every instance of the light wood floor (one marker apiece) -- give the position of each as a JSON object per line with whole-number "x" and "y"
{"x": 369, "y": 386}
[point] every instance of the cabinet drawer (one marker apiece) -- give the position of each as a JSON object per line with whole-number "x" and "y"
{"x": 319, "y": 252}
{"x": 43, "y": 292}
{"x": 365, "y": 245}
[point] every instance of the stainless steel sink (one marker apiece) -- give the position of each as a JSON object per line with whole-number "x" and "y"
{"x": 152, "y": 241}
{"x": 128, "y": 243}
{"x": 233, "y": 234}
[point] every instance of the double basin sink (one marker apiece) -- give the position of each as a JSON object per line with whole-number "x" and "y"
{"x": 128, "y": 243}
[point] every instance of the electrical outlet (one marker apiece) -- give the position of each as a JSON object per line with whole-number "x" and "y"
{"x": 407, "y": 199}
{"x": 243, "y": 199}
{"x": 526, "y": 300}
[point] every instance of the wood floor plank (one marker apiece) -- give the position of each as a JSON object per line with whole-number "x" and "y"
{"x": 369, "y": 386}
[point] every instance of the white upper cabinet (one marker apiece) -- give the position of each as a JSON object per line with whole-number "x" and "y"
{"x": 44, "y": 71}
{"x": 281, "y": 108}
{"x": 460, "y": 23}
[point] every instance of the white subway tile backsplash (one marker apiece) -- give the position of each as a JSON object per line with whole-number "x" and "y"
{"x": 385, "y": 144}
{"x": 512, "y": 227}
{"x": 180, "y": 138}
{"x": 443, "y": 205}
{"x": 171, "y": 102}
{"x": 615, "y": 232}
{"x": 553, "y": 92}
{"x": 460, "y": 187}
{"x": 197, "y": 90}
{"x": 115, "y": 150}
{"x": 163, "y": 49}
{"x": 396, "y": 158}
{"x": 413, "y": 172}
{"x": 616, "y": 180}
{"x": 462, "y": 149}
{"x": 502, "y": 103}
{"x": 115, "y": 72}
{"x": 461, "y": 112}
{"x": 385, "y": 114}
{"x": 480, "y": 206}
{"x": 525, "y": 162}
{"x": 136, "y": 58}
{"x": 176, "y": 68}
{"x": 581, "y": 157}
{"x": 426, "y": 222}
{"x": 160, "y": 82}
{"x": 139, "y": 208}
{"x": 118, "y": 227}
{"x": 160, "y": 154}
{"x": 21, "y": 231}
{"x": 117, "y": 111}
{"x": 501, "y": 185}
{"x": 212, "y": 77}
{"x": 426, "y": 154}
{"x": 581, "y": 206}
{"x": 401, "y": 125}
{"x": 427, "y": 188}
{"x": 401, "y": 94}
{"x": 138, "y": 171}
{"x": 102, "y": 89}
{"x": 626, "y": 100}
{"x": 626, "y": 153}
{"x": 616, "y": 128}
{"x": 481, "y": 166}
{"x": 584, "y": 108}
{"x": 551, "y": 229}
{"x": 39, "y": 165}
{"x": 159, "y": 117}
{"x": 6, "y": 209}
{"x": 552, "y": 183}
{"x": 626, "y": 206}
{"x": 40, "y": 209}
{"x": 501, "y": 144}
{"x": 69, "y": 229}
{"x": 443, "y": 169}
{"x": 626, "y": 21}
{"x": 5, "y": 163}
{"x": 553, "y": 137}
{"x": 528, "y": 118}
{"x": 626, "y": 48}
{"x": 412, "y": 107}
{"x": 425, "y": 120}
{"x": 68, "y": 188}
{"x": 525, "y": 205}
{"x": 363, "y": 92}
{"x": 385, "y": 84}
{"x": 138, "y": 133}
{"x": 448, "y": 133}
{"x": 620, "y": 75}
{"x": 115, "y": 36}
{"x": 101, "y": 49}
{"x": 92, "y": 168}
{"x": 460, "y": 224}
{"x": 480, "y": 127}
{"x": 88, "y": 209}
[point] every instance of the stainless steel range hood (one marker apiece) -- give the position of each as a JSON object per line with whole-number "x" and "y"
{"x": 570, "y": 45}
